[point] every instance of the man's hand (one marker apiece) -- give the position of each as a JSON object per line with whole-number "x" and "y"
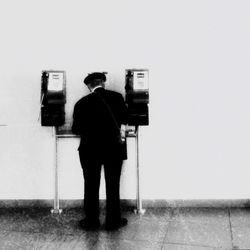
{"x": 123, "y": 132}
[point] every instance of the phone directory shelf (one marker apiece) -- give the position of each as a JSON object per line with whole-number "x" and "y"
{"x": 65, "y": 132}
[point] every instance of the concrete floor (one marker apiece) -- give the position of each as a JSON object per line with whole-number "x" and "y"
{"x": 171, "y": 229}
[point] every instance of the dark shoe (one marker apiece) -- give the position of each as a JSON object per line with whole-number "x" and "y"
{"x": 89, "y": 224}
{"x": 116, "y": 224}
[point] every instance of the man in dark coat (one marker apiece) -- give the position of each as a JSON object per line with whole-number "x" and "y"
{"x": 100, "y": 119}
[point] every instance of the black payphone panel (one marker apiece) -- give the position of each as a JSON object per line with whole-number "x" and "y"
{"x": 53, "y": 98}
{"x": 137, "y": 96}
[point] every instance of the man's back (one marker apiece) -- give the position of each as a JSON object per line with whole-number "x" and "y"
{"x": 97, "y": 119}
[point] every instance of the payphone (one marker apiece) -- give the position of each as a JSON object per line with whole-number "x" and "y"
{"x": 137, "y": 96}
{"x": 53, "y": 98}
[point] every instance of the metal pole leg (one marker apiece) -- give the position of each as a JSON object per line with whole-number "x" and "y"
{"x": 56, "y": 209}
{"x": 139, "y": 209}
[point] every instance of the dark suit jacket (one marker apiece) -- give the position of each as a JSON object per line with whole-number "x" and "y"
{"x": 94, "y": 123}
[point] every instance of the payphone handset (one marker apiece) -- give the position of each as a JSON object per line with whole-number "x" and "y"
{"x": 53, "y": 98}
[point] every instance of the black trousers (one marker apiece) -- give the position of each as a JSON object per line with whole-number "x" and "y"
{"x": 92, "y": 176}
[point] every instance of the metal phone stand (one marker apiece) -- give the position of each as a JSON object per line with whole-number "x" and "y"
{"x": 139, "y": 210}
{"x": 56, "y": 209}
{"x": 64, "y": 132}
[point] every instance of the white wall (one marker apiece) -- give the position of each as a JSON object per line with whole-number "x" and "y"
{"x": 198, "y": 55}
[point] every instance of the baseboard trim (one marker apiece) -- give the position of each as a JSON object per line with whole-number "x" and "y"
{"x": 129, "y": 203}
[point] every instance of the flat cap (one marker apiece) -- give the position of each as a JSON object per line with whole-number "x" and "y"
{"x": 94, "y": 76}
